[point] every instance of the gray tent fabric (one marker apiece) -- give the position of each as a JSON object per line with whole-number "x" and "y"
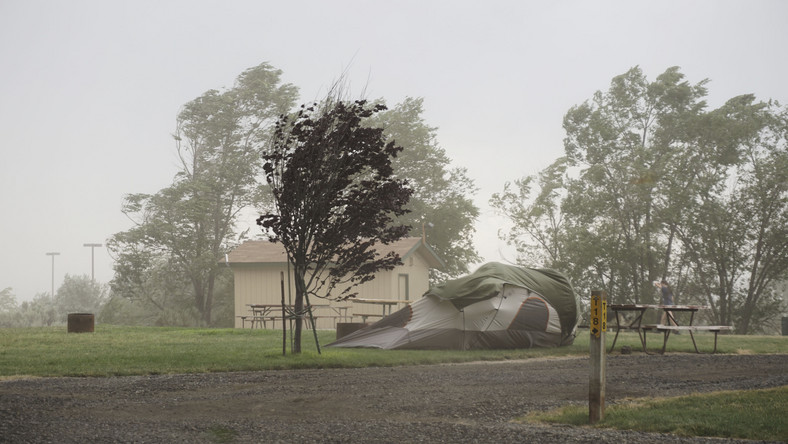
{"x": 496, "y": 307}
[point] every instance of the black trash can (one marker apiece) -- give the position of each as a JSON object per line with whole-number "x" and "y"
{"x": 80, "y": 322}
{"x": 785, "y": 325}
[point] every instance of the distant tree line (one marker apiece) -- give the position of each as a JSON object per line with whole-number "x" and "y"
{"x": 77, "y": 294}
{"x": 654, "y": 185}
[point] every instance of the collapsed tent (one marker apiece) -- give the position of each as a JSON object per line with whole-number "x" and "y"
{"x": 496, "y": 307}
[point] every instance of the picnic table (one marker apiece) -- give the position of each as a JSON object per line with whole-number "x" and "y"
{"x": 386, "y": 304}
{"x": 261, "y": 314}
{"x": 666, "y": 330}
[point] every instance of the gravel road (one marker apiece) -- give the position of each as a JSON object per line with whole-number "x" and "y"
{"x": 438, "y": 403}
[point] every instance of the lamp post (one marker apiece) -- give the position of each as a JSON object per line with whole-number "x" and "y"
{"x": 92, "y": 257}
{"x": 53, "y": 254}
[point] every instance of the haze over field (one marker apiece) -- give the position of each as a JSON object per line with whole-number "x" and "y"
{"x": 90, "y": 90}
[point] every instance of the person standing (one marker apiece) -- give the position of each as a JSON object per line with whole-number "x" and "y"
{"x": 667, "y": 299}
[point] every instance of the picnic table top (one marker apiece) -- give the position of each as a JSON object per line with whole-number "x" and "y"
{"x": 688, "y": 327}
{"x": 381, "y": 301}
{"x": 663, "y": 307}
{"x": 286, "y": 305}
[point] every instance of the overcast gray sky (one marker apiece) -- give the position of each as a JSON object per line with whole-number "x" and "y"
{"x": 89, "y": 90}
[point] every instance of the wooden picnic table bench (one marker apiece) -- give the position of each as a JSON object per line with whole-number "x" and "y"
{"x": 668, "y": 329}
{"x": 261, "y": 314}
{"x": 365, "y": 316}
{"x": 637, "y": 325}
{"x": 261, "y": 321}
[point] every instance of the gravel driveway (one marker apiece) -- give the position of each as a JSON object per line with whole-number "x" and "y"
{"x": 437, "y": 403}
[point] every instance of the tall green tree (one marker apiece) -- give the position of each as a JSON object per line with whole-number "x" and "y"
{"x": 533, "y": 205}
{"x": 336, "y": 198}
{"x": 441, "y": 206}
{"x": 193, "y": 222}
{"x": 764, "y": 203}
{"x": 633, "y": 145}
{"x": 736, "y": 240}
{"x": 654, "y": 185}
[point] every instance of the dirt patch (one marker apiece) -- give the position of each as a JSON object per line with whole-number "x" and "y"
{"x": 439, "y": 403}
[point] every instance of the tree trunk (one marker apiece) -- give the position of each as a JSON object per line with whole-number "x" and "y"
{"x": 300, "y": 284}
{"x": 208, "y": 312}
{"x": 199, "y": 296}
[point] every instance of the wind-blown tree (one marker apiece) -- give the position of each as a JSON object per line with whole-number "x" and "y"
{"x": 636, "y": 146}
{"x": 442, "y": 196}
{"x": 188, "y": 226}
{"x": 532, "y": 204}
{"x": 764, "y": 203}
{"x": 736, "y": 241}
{"x": 619, "y": 144}
{"x": 336, "y": 198}
{"x": 645, "y": 192}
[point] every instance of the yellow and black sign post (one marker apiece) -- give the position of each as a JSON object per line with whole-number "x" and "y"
{"x": 598, "y": 327}
{"x": 598, "y": 313}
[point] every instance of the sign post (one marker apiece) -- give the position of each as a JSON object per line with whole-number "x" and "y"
{"x": 596, "y": 386}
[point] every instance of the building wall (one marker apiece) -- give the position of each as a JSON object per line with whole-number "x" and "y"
{"x": 387, "y": 286}
{"x": 260, "y": 284}
{"x": 420, "y": 276}
{"x": 256, "y": 284}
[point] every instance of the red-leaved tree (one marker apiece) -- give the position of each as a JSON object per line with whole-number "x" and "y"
{"x": 335, "y": 199}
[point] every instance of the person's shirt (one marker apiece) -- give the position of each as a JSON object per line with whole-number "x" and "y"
{"x": 667, "y": 295}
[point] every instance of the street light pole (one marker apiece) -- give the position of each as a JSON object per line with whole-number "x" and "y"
{"x": 92, "y": 257}
{"x": 53, "y": 254}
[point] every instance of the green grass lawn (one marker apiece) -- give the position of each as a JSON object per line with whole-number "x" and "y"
{"x": 116, "y": 351}
{"x": 752, "y": 414}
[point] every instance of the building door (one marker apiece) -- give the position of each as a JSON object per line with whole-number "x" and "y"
{"x": 403, "y": 288}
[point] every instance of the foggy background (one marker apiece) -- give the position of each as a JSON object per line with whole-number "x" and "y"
{"x": 89, "y": 90}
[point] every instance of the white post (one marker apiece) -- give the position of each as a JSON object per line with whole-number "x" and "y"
{"x": 53, "y": 254}
{"x": 92, "y": 257}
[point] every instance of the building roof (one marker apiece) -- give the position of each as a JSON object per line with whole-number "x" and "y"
{"x": 265, "y": 252}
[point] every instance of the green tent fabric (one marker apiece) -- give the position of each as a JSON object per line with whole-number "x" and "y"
{"x": 489, "y": 279}
{"x": 497, "y": 307}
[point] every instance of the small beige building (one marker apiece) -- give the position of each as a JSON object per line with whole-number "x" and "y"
{"x": 260, "y": 266}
